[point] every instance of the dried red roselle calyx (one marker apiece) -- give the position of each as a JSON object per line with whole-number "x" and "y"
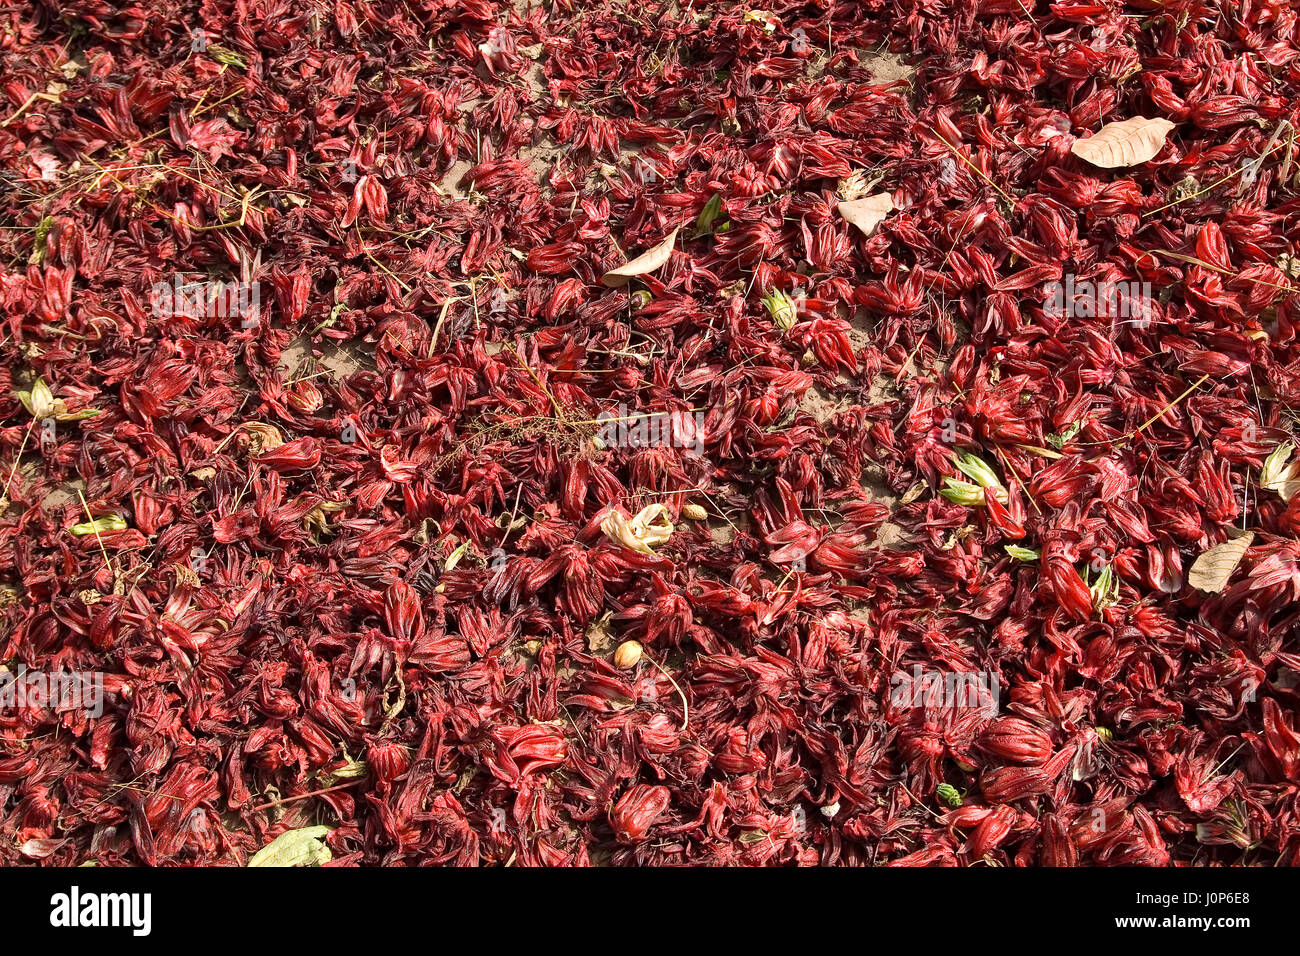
{"x": 637, "y": 810}
{"x": 1017, "y": 741}
{"x": 306, "y": 398}
{"x": 914, "y": 391}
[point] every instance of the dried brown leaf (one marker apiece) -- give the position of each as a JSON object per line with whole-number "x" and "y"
{"x": 1125, "y": 143}
{"x": 647, "y": 262}
{"x": 1280, "y": 473}
{"x": 867, "y": 213}
{"x": 1211, "y": 571}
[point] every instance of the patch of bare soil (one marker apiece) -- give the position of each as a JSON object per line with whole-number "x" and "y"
{"x": 822, "y": 405}
{"x": 541, "y": 158}
{"x": 873, "y": 481}
{"x": 343, "y": 360}
{"x": 450, "y": 184}
{"x": 294, "y": 357}
{"x": 859, "y": 330}
{"x": 724, "y": 531}
{"x": 536, "y": 76}
{"x": 340, "y": 361}
{"x": 891, "y": 537}
{"x": 883, "y": 389}
{"x": 63, "y": 495}
{"x": 886, "y": 67}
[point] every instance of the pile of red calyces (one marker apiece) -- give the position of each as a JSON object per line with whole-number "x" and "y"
{"x": 351, "y": 499}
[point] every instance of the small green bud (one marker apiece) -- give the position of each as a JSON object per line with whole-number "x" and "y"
{"x": 1105, "y": 590}
{"x": 227, "y": 56}
{"x": 948, "y": 794}
{"x": 782, "y": 309}
{"x": 974, "y": 468}
{"x": 105, "y": 525}
{"x": 962, "y": 493}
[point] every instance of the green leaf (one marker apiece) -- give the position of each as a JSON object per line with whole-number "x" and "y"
{"x": 1022, "y": 554}
{"x": 1060, "y": 441}
{"x": 709, "y": 214}
{"x": 302, "y": 847}
{"x": 350, "y": 770}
